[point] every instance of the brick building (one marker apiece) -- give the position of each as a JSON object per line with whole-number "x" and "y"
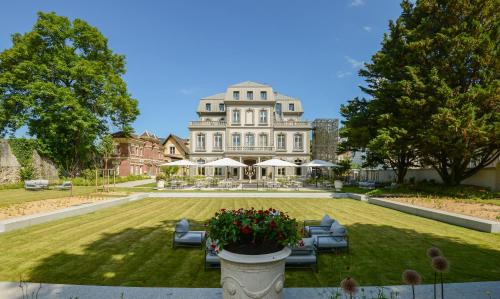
{"x": 138, "y": 154}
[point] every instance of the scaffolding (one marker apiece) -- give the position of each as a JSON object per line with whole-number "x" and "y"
{"x": 325, "y": 138}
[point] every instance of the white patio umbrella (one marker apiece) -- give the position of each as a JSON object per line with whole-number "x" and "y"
{"x": 182, "y": 163}
{"x": 179, "y": 163}
{"x": 319, "y": 163}
{"x": 226, "y": 162}
{"x": 275, "y": 163}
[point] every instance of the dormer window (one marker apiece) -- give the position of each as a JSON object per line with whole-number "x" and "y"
{"x": 291, "y": 107}
{"x": 263, "y": 95}
{"x": 221, "y": 107}
{"x": 249, "y": 95}
{"x": 208, "y": 107}
{"x": 236, "y": 95}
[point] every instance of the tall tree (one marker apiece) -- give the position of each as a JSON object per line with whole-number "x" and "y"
{"x": 63, "y": 82}
{"x": 453, "y": 47}
{"x": 382, "y": 125}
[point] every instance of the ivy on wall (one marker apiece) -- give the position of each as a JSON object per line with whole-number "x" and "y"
{"x": 23, "y": 149}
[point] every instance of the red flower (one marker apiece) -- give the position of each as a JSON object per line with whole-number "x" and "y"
{"x": 222, "y": 210}
{"x": 246, "y": 230}
{"x": 213, "y": 245}
{"x": 301, "y": 243}
{"x": 272, "y": 224}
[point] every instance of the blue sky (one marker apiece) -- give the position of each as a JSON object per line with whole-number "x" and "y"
{"x": 180, "y": 51}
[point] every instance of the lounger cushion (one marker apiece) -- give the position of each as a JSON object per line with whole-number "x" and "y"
{"x": 327, "y": 220}
{"x": 312, "y": 230}
{"x": 212, "y": 258}
{"x": 192, "y": 237}
{"x": 301, "y": 250}
{"x": 182, "y": 226}
{"x": 337, "y": 229}
{"x": 301, "y": 259}
{"x": 328, "y": 242}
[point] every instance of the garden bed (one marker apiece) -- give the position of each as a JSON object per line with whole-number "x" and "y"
{"x": 479, "y": 208}
{"x": 49, "y": 205}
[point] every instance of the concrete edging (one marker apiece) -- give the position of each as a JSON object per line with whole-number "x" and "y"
{"x": 443, "y": 216}
{"x": 29, "y": 220}
{"x": 439, "y": 215}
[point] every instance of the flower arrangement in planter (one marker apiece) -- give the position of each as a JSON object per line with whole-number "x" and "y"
{"x": 253, "y": 232}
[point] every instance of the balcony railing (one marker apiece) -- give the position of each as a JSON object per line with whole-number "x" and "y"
{"x": 250, "y": 148}
{"x": 292, "y": 123}
{"x": 208, "y": 123}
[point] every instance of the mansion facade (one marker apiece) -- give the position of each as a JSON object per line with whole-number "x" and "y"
{"x": 250, "y": 123}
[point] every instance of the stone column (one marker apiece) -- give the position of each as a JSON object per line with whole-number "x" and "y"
{"x": 240, "y": 169}
{"x": 257, "y": 169}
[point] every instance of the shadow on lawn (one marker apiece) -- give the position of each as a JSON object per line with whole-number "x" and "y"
{"x": 144, "y": 257}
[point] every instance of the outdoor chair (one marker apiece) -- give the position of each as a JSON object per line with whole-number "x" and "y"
{"x": 67, "y": 185}
{"x": 331, "y": 243}
{"x": 212, "y": 260}
{"x": 311, "y": 227}
{"x": 184, "y": 237}
{"x": 31, "y": 185}
{"x": 303, "y": 256}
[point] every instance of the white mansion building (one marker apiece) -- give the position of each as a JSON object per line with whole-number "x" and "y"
{"x": 250, "y": 123}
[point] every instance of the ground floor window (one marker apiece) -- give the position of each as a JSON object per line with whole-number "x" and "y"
{"x": 263, "y": 172}
{"x": 218, "y": 171}
{"x": 281, "y": 171}
{"x": 298, "y": 170}
{"x": 235, "y": 171}
{"x": 201, "y": 170}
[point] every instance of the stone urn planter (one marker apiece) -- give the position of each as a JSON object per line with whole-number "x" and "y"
{"x": 338, "y": 185}
{"x": 253, "y": 276}
{"x": 160, "y": 184}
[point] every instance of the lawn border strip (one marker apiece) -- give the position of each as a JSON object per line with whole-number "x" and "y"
{"x": 439, "y": 215}
{"x": 29, "y": 220}
{"x": 466, "y": 221}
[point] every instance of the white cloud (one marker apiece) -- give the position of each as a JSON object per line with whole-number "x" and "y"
{"x": 357, "y": 3}
{"x": 367, "y": 28}
{"x": 187, "y": 91}
{"x": 341, "y": 74}
{"x": 354, "y": 63}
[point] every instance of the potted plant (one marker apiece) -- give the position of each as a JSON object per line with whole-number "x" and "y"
{"x": 340, "y": 172}
{"x": 160, "y": 181}
{"x": 252, "y": 246}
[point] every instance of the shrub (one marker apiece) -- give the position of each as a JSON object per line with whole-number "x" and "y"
{"x": 253, "y": 231}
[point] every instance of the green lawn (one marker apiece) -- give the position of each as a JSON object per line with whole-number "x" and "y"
{"x": 131, "y": 245}
{"x": 14, "y": 196}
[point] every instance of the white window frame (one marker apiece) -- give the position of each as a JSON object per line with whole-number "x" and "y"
{"x": 281, "y": 145}
{"x": 250, "y": 137}
{"x": 263, "y": 95}
{"x": 236, "y": 95}
{"x": 263, "y": 116}
{"x": 208, "y": 107}
{"x": 222, "y": 107}
{"x": 291, "y": 106}
{"x": 300, "y": 144}
{"x": 249, "y": 95}
{"x": 261, "y": 139}
{"x": 201, "y": 141}
{"x": 171, "y": 150}
{"x": 233, "y": 139}
{"x": 218, "y": 141}
{"x": 236, "y": 120}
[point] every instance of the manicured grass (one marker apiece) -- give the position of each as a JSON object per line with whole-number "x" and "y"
{"x": 14, "y": 196}
{"x": 131, "y": 245}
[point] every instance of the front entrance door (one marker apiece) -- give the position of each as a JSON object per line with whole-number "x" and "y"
{"x": 250, "y": 162}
